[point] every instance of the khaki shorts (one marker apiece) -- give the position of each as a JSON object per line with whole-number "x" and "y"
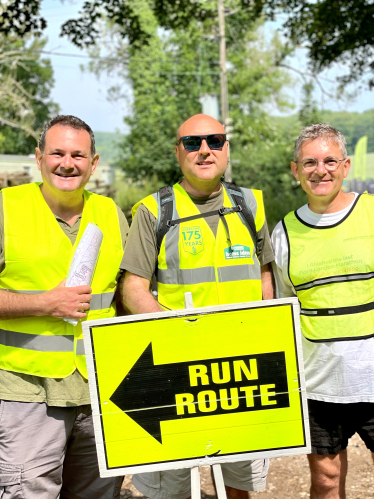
{"x": 48, "y": 452}
{"x": 176, "y": 484}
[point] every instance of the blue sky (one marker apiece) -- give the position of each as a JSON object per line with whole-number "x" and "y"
{"x": 82, "y": 94}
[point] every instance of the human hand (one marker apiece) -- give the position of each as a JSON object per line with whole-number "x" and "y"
{"x": 63, "y": 302}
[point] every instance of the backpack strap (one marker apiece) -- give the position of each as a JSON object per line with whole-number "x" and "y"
{"x": 165, "y": 203}
{"x": 238, "y": 198}
{"x": 166, "y": 209}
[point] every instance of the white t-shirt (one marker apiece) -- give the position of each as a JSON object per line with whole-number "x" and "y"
{"x": 341, "y": 371}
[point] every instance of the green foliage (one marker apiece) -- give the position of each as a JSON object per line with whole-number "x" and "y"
{"x": 19, "y": 17}
{"x": 129, "y": 193}
{"x": 170, "y": 73}
{"x": 167, "y": 77}
{"x": 26, "y": 81}
{"x": 353, "y": 126}
{"x": 333, "y": 30}
{"x": 106, "y": 145}
{"x": 267, "y": 167}
{"x": 309, "y": 112}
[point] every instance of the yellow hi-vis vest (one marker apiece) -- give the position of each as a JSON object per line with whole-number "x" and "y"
{"x": 332, "y": 271}
{"x": 37, "y": 258}
{"x": 192, "y": 259}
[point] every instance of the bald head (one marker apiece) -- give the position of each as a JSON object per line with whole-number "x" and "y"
{"x": 200, "y": 124}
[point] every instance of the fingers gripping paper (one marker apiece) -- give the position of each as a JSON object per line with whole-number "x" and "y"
{"x": 84, "y": 260}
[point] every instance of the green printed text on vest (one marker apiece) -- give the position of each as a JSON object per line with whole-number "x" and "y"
{"x": 192, "y": 259}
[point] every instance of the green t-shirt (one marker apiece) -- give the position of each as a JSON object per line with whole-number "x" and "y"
{"x": 140, "y": 255}
{"x": 65, "y": 392}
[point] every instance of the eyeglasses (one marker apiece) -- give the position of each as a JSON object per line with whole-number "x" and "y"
{"x": 193, "y": 142}
{"x": 331, "y": 163}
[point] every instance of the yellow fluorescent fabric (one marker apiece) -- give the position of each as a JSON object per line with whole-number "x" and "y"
{"x": 336, "y": 263}
{"x": 37, "y": 258}
{"x": 192, "y": 259}
{"x": 200, "y": 340}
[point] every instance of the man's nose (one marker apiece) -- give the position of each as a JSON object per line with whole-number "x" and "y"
{"x": 321, "y": 167}
{"x": 204, "y": 148}
{"x": 67, "y": 162}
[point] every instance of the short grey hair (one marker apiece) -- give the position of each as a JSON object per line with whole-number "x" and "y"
{"x": 71, "y": 122}
{"x": 317, "y": 131}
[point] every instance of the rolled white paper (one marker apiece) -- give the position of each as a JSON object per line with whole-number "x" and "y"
{"x": 84, "y": 260}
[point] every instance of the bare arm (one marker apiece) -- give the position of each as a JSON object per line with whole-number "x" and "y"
{"x": 267, "y": 281}
{"x": 58, "y": 302}
{"x": 136, "y": 296}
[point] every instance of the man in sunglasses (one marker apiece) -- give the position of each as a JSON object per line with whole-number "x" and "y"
{"x": 324, "y": 255}
{"x": 214, "y": 255}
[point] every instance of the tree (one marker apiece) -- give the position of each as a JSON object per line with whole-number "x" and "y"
{"x": 309, "y": 112}
{"x": 332, "y": 30}
{"x": 167, "y": 77}
{"x": 26, "y": 81}
{"x": 20, "y": 17}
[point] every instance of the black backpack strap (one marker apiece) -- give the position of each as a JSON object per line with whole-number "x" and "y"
{"x": 238, "y": 198}
{"x": 165, "y": 203}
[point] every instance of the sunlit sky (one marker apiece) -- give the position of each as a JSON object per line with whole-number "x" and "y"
{"x": 82, "y": 94}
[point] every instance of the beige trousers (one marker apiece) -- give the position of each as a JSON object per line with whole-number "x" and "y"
{"x": 49, "y": 453}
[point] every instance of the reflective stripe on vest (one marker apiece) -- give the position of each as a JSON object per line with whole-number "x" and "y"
{"x": 37, "y": 256}
{"x": 190, "y": 255}
{"x": 98, "y": 301}
{"x": 37, "y": 342}
{"x": 331, "y": 269}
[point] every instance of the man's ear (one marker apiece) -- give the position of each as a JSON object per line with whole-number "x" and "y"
{"x": 94, "y": 162}
{"x": 347, "y": 166}
{"x": 38, "y": 157}
{"x": 177, "y": 152}
{"x": 294, "y": 170}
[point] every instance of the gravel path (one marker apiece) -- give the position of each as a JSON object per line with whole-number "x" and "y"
{"x": 289, "y": 477}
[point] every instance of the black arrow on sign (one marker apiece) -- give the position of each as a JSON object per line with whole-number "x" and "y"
{"x": 147, "y": 393}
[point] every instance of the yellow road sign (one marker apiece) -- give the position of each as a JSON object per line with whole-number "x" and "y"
{"x": 184, "y": 388}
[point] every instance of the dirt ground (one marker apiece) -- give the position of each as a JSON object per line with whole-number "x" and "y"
{"x": 289, "y": 477}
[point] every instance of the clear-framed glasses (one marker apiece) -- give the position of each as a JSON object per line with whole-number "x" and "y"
{"x": 331, "y": 163}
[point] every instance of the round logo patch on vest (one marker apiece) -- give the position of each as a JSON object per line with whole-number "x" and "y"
{"x": 192, "y": 238}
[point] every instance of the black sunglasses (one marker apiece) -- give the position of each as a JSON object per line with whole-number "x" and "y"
{"x": 193, "y": 142}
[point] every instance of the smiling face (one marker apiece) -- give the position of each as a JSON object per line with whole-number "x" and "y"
{"x": 202, "y": 169}
{"x": 66, "y": 163}
{"x": 320, "y": 183}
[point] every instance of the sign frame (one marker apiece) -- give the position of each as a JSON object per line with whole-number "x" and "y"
{"x": 105, "y": 471}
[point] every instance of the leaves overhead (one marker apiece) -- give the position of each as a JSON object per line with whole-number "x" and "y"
{"x": 26, "y": 81}
{"x": 332, "y": 30}
{"x": 19, "y": 17}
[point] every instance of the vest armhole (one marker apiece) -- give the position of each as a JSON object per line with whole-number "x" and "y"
{"x": 289, "y": 252}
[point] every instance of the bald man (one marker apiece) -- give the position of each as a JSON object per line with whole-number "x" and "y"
{"x": 201, "y": 257}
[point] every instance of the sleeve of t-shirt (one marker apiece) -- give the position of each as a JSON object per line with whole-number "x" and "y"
{"x": 140, "y": 255}
{"x": 283, "y": 285}
{"x": 264, "y": 249}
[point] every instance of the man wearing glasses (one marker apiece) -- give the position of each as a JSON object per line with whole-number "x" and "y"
{"x": 207, "y": 250}
{"x": 324, "y": 255}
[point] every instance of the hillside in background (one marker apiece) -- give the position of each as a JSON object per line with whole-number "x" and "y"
{"x": 352, "y": 125}
{"x": 106, "y": 145}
